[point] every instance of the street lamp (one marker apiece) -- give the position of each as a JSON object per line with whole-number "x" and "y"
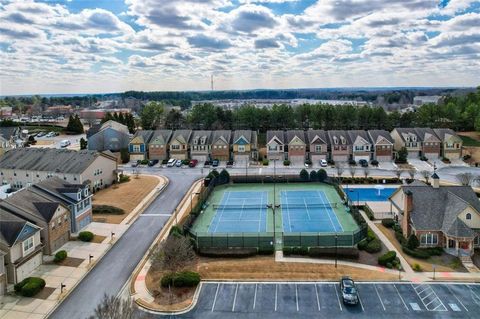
{"x": 273, "y": 207}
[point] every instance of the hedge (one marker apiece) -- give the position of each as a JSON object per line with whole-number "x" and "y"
{"x": 432, "y": 251}
{"x": 400, "y": 238}
{"x": 368, "y": 212}
{"x": 60, "y": 256}
{"x": 286, "y": 162}
{"x": 302, "y": 251}
{"x": 388, "y": 222}
{"x": 181, "y": 279}
{"x": 416, "y": 253}
{"x": 388, "y": 257}
{"x": 29, "y": 287}
{"x": 374, "y": 246}
{"x": 85, "y": 236}
{"x": 363, "y": 244}
{"x": 227, "y": 252}
{"x": 266, "y": 250}
{"x": 107, "y": 209}
{"x": 342, "y": 252}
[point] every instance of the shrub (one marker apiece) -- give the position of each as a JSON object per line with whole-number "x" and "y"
{"x": 370, "y": 235}
{"x": 388, "y": 222}
{"x": 397, "y": 228}
{"x": 342, "y": 252}
{"x": 313, "y": 176}
{"x": 388, "y": 257}
{"x": 304, "y": 175}
{"x": 123, "y": 178}
{"x": 85, "y": 236}
{"x": 389, "y": 265}
{"x": 417, "y": 267}
{"x": 228, "y": 252}
{"x": 413, "y": 242}
{"x": 374, "y": 162}
{"x": 124, "y": 155}
{"x": 322, "y": 175}
{"x": 144, "y": 162}
{"x": 30, "y": 286}
{"x": 60, "y": 256}
{"x": 400, "y": 238}
{"x": 106, "y": 209}
{"x": 224, "y": 177}
{"x": 374, "y": 246}
{"x": 266, "y": 250}
{"x": 301, "y": 251}
{"x": 176, "y": 231}
{"x": 265, "y": 162}
{"x": 362, "y": 244}
{"x": 432, "y": 251}
{"x": 181, "y": 279}
{"x": 415, "y": 253}
{"x": 286, "y": 162}
{"x": 368, "y": 212}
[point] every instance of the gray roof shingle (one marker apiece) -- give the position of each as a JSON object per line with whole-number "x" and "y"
{"x": 322, "y": 135}
{"x": 279, "y": 135}
{"x": 291, "y": 134}
{"x": 377, "y": 135}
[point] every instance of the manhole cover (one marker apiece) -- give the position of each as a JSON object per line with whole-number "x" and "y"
{"x": 415, "y": 306}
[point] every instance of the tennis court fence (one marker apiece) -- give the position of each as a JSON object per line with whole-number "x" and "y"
{"x": 343, "y": 239}
{"x": 232, "y": 240}
{"x": 258, "y": 206}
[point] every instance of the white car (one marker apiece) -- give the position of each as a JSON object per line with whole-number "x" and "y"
{"x": 64, "y": 143}
{"x": 178, "y": 163}
{"x": 171, "y": 162}
{"x": 323, "y": 163}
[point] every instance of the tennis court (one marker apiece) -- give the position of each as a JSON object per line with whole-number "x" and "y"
{"x": 309, "y": 211}
{"x": 240, "y": 212}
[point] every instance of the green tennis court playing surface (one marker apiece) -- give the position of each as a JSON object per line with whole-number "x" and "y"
{"x": 242, "y": 208}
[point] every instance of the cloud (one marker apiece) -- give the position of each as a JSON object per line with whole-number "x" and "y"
{"x": 250, "y": 18}
{"x": 266, "y": 44}
{"x": 205, "y": 42}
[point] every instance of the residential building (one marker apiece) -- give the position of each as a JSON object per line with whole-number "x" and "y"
{"x": 11, "y": 137}
{"x": 382, "y": 145}
{"x": 26, "y": 166}
{"x": 76, "y": 197}
{"x": 200, "y": 144}
{"x": 179, "y": 144}
{"x": 111, "y": 136}
{"x": 297, "y": 146}
{"x": 159, "y": 144}
{"x": 244, "y": 146}
{"x": 138, "y": 146}
{"x": 221, "y": 145}
{"x": 451, "y": 143}
{"x": 426, "y": 99}
{"x": 339, "y": 145}
{"x": 20, "y": 249}
{"x": 318, "y": 145}
{"x": 408, "y": 138}
{"x": 431, "y": 144}
{"x": 361, "y": 145}
{"x": 276, "y": 145}
{"x": 440, "y": 216}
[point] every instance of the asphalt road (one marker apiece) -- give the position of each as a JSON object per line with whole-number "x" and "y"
{"x": 113, "y": 270}
{"x": 323, "y": 300}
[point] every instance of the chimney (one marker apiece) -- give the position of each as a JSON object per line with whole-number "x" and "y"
{"x": 407, "y": 209}
{"x": 436, "y": 180}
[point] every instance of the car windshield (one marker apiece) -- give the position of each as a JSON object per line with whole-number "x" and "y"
{"x": 350, "y": 290}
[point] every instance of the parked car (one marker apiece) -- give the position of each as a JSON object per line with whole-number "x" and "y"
{"x": 230, "y": 164}
{"x": 64, "y": 143}
{"x": 152, "y": 162}
{"x": 134, "y": 164}
{"x": 323, "y": 163}
{"x": 349, "y": 291}
{"x": 215, "y": 162}
{"x": 193, "y": 163}
{"x": 171, "y": 162}
{"x": 178, "y": 163}
{"x": 40, "y": 134}
{"x": 363, "y": 163}
{"x": 207, "y": 164}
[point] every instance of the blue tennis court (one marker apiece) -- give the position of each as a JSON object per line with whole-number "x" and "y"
{"x": 240, "y": 212}
{"x": 308, "y": 211}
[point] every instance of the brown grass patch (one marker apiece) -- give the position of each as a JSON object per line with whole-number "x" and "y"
{"x": 98, "y": 239}
{"x": 44, "y": 293}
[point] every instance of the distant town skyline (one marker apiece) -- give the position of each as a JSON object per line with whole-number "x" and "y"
{"x": 88, "y": 46}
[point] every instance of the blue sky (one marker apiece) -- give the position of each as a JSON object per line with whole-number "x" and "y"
{"x": 94, "y": 46}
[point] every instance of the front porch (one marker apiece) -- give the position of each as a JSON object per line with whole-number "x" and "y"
{"x": 460, "y": 247}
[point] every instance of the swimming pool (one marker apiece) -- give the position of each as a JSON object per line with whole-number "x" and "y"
{"x": 369, "y": 194}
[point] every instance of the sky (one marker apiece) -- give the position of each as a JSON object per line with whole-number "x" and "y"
{"x": 100, "y": 46}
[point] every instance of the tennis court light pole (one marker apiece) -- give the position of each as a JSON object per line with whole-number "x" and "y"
{"x": 336, "y": 245}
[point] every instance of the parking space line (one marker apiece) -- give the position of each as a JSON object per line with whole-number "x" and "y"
{"x": 318, "y": 299}
{"x": 381, "y": 301}
{"x": 401, "y": 298}
{"x": 255, "y": 296}
{"x": 426, "y": 295}
{"x": 296, "y": 295}
{"x": 434, "y": 298}
{"x": 338, "y": 298}
{"x": 276, "y": 294}
{"x": 475, "y": 297}
{"x": 360, "y": 301}
{"x": 215, "y": 298}
{"x": 451, "y": 291}
{"x": 235, "y": 298}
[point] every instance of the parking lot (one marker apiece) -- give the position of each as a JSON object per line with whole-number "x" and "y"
{"x": 323, "y": 300}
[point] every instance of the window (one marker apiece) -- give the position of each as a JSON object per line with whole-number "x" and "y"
{"x": 241, "y": 148}
{"x": 136, "y": 148}
{"x": 429, "y": 239}
{"x": 28, "y": 245}
{"x": 270, "y": 147}
{"x": 175, "y": 147}
{"x": 318, "y": 148}
{"x": 468, "y": 216}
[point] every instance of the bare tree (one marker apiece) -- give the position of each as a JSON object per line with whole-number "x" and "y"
{"x": 352, "y": 170}
{"x": 466, "y": 179}
{"x": 425, "y": 175}
{"x": 173, "y": 254}
{"x": 114, "y": 308}
{"x": 398, "y": 172}
{"x": 366, "y": 172}
{"x": 340, "y": 169}
{"x": 411, "y": 172}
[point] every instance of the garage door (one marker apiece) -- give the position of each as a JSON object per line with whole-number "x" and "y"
{"x": 317, "y": 158}
{"x": 137, "y": 157}
{"x": 431, "y": 155}
{"x": 241, "y": 159}
{"x": 200, "y": 158}
{"x": 360, "y": 157}
{"x": 26, "y": 269}
{"x": 297, "y": 160}
{"x": 413, "y": 154}
{"x": 340, "y": 158}
{"x": 384, "y": 158}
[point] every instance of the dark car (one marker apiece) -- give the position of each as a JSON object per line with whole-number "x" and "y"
{"x": 215, "y": 162}
{"x": 152, "y": 162}
{"x": 207, "y": 163}
{"x": 349, "y": 291}
{"x": 193, "y": 163}
{"x": 230, "y": 164}
{"x": 363, "y": 163}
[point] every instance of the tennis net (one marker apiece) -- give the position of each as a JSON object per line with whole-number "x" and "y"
{"x": 258, "y": 206}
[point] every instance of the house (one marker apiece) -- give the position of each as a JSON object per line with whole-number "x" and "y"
{"x": 21, "y": 167}
{"x": 138, "y": 146}
{"x": 10, "y": 137}
{"x": 179, "y": 144}
{"x": 318, "y": 145}
{"x": 276, "y": 145}
{"x": 451, "y": 143}
{"x": 244, "y": 146}
{"x": 111, "y": 136}
{"x": 51, "y": 216}
{"x": 339, "y": 145}
{"x": 361, "y": 145}
{"x": 408, "y": 138}
{"x": 297, "y": 146}
{"x": 76, "y": 197}
{"x": 20, "y": 249}
{"x": 200, "y": 144}
{"x": 158, "y": 145}
{"x": 440, "y": 216}
{"x": 382, "y": 145}
{"x": 431, "y": 144}
{"x": 221, "y": 145}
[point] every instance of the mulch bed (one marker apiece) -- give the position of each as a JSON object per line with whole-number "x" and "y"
{"x": 371, "y": 259}
{"x": 44, "y": 293}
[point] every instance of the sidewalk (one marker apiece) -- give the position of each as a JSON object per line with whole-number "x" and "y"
{"x": 17, "y": 307}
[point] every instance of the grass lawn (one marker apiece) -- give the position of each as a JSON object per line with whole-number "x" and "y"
{"x": 469, "y": 141}
{"x": 444, "y": 263}
{"x": 125, "y": 196}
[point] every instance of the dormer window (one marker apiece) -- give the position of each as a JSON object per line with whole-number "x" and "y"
{"x": 335, "y": 140}
{"x": 468, "y": 216}
{"x": 342, "y": 139}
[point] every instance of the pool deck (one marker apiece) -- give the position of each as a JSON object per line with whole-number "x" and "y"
{"x": 380, "y": 209}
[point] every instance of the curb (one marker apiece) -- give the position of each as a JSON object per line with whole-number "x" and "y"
{"x": 68, "y": 292}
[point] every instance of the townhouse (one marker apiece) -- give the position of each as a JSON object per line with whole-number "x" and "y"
{"x": 221, "y": 145}
{"x": 179, "y": 144}
{"x": 339, "y": 145}
{"x": 408, "y": 138}
{"x": 382, "y": 145}
{"x": 159, "y": 144}
{"x": 244, "y": 146}
{"x": 318, "y": 145}
{"x": 276, "y": 145}
{"x": 361, "y": 145}
{"x": 200, "y": 144}
{"x": 430, "y": 142}
{"x": 138, "y": 145}
{"x": 22, "y": 167}
{"x": 111, "y": 135}
{"x": 297, "y": 146}
{"x": 451, "y": 143}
